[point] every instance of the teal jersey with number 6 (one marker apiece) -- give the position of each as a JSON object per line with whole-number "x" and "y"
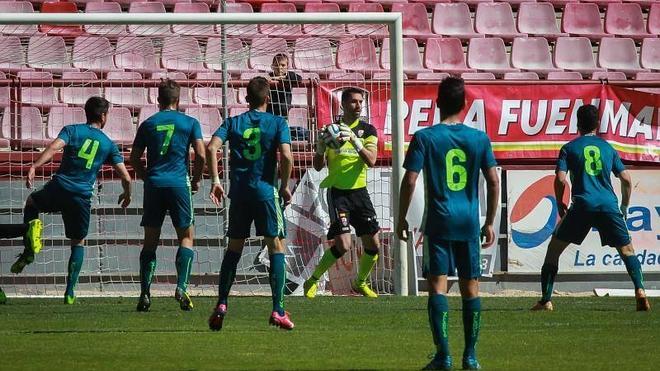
{"x": 87, "y": 149}
{"x": 167, "y": 136}
{"x": 451, "y": 157}
{"x": 254, "y": 138}
{"x": 589, "y": 160}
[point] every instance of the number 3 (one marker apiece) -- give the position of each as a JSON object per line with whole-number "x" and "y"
{"x": 592, "y": 162}
{"x": 456, "y": 170}
{"x": 252, "y": 137}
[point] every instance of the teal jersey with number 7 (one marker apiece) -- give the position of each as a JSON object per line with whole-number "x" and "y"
{"x": 451, "y": 157}
{"x": 254, "y": 138}
{"x": 168, "y": 136}
{"x": 87, "y": 149}
{"x": 589, "y": 160}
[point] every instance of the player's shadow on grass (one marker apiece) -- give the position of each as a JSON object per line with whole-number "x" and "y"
{"x": 112, "y": 331}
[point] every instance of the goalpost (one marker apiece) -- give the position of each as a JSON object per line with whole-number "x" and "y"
{"x": 209, "y": 55}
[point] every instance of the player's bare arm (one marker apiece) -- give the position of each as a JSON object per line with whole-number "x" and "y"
{"x": 125, "y": 198}
{"x": 45, "y": 157}
{"x": 136, "y": 162}
{"x": 217, "y": 193}
{"x": 286, "y": 166}
{"x": 560, "y": 188}
{"x": 319, "y": 156}
{"x": 198, "y": 167}
{"x": 626, "y": 191}
{"x": 405, "y": 197}
{"x": 492, "y": 198}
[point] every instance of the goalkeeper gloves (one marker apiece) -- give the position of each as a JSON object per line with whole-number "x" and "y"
{"x": 624, "y": 211}
{"x": 347, "y": 135}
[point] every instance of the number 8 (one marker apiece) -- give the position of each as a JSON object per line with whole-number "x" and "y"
{"x": 592, "y": 162}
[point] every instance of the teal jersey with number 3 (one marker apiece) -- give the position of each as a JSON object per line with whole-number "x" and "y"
{"x": 451, "y": 157}
{"x": 87, "y": 149}
{"x": 167, "y": 136}
{"x": 254, "y": 138}
{"x": 589, "y": 160}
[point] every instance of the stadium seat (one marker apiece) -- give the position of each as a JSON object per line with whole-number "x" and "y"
{"x": 445, "y": 55}
{"x": 601, "y": 3}
{"x": 580, "y": 19}
{"x": 538, "y": 19}
{"x": 532, "y": 54}
{"x": 314, "y": 54}
{"x": 415, "y": 21}
{"x": 609, "y": 75}
{"x": 619, "y": 54}
{"x": 12, "y": 56}
{"x": 31, "y": 130}
{"x": 126, "y": 95}
{"x": 189, "y": 29}
{"x": 48, "y": 53}
{"x": 287, "y": 31}
{"x": 310, "y": 76}
{"x": 387, "y": 3}
{"x": 430, "y": 3}
{"x": 412, "y": 61}
{"x": 58, "y": 117}
{"x": 146, "y": 112}
{"x": 333, "y": 31}
{"x": 170, "y": 3}
{"x": 243, "y": 30}
{"x": 209, "y": 118}
{"x": 521, "y": 76}
{"x": 300, "y": 3}
{"x": 209, "y": 76}
{"x": 263, "y": 50}
{"x": 298, "y": 117}
{"x": 384, "y": 75}
{"x": 453, "y": 20}
{"x": 249, "y": 75}
{"x": 17, "y": 7}
{"x": 477, "y": 76}
{"x": 136, "y": 54}
{"x": 78, "y": 95}
{"x": 370, "y": 30}
{"x": 93, "y": 53}
{"x": 564, "y": 75}
{"x": 182, "y": 53}
{"x": 346, "y": 76}
{"x": 653, "y": 21}
{"x": 358, "y": 55}
{"x": 185, "y": 94}
{"x": 108, "y": 30}
{"x": 235, "y": 111}
{"x": 148, "y": 29}
{"x": 575, "y": 54}
{"x": 299, "y": 128}
{"x": 212, "y": 96}
{"x": 647, "y": 76}
{"x": 5, "y": 93}
{"x": 62, "y": 30}
{"x": 344, "y": 4}
{"x": 650, "y": 54}
{"x": 432, "y": 76}
{"x": 119, "y": 126}
{"x": 40, "y": 91}
{"x": 299, "y": 97}
{"x": 236, "y": 55}
{"x": 625, "y": 20}
{"x": 489, "y": 55}
{"x": 496, "y": 19}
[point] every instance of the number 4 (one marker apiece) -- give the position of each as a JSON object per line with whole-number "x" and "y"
{"x": 88, "y": 154}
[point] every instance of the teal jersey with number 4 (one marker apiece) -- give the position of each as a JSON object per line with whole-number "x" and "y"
{"x": 167, "y": 136}
{"x": 254, "y": 138}
{"x": 87, "y": 149}
{"x": 451, "y": 157}
{"x": 589, "y": 160}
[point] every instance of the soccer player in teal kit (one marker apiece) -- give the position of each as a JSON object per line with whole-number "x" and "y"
{"x": 590, "y": 160}
{"x": 167, "y": 137}
{"x": 86, "y": 149}
{"x": 254, "y": 139}
{"x": 451, "y": 156}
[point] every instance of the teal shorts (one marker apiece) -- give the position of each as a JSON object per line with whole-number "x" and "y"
{"x": 267, "y": 215}
{"x": 445, "y": 257}
{"x": 158, "y": 201}
{"x": 75, "y": 208}
{"x": 576, "y": 224}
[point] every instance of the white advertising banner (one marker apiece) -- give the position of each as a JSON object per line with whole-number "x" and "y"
{"x": 532, "y": 216}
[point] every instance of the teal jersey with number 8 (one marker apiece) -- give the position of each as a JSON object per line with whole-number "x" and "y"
{"x": 451, "y": 157}
{"x": 167, "y": 136}
{"x": 254, "y": 138}
{"x": 589, "y": 160}
{"x": 87, "y": 149}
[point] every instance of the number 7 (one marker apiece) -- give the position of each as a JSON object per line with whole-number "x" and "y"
{"x": 169, "y": 130}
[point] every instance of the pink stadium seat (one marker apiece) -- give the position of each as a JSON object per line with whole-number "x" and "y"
{"x": 650, "y": 54}
{"x": 93, "y": 53}
{"x": 78, "y": 95}
{"x": 532, "y": 54}
{"x": 282, "y": 30}
{"x": 445, "y": 55}
{"x": 358, "y": 55}
{"x": 654, "y": 19}
{"x": 182, "y": 53}
{"x": 415, "y": 20}
{"x": 236, "y": 55}
{"x": 538, "y": 19}
{"x": 432, "y": 76}
{"x": 496, "y": 19}
{"x": 212, "y": 96}
{"x": 17, "y": 7}
{"x": 384, "y": 75}
{"x": 565, "y": 75}
{"x": 581, "y": 19}
{"x": 209, "y": 118}
{"x": 344, "y": 3}
{"x": 38, "y": 93}
{"x": 453, "y": 20}
{"x": 387, "y": 3}
{"x": 5, "y": 93}
{"x": 136, "y": 54}
{"x": 314, "y": 54}
{"x": 209, "y": 76}
{"x": 298, "y": 117}
{"x": 264, "y": 49}
{"x": 146, "y": 112}
{"x": 243, "y": 30}
{"x": 58, "y": 117}
{"x": 346, "y": 76}
{"x": 105, "y": 29}
{"x": 300, "y": 3}
{"x": 246, "y": 76}
{"x": 48, "y": 53}
{"x": 609, "y": 75}
{"x": 412, "y": 61}
{"x": 489, "y": 55}
{"x": 647, "y": 76}
{"x": 625, "y": 20}
{"x": 60, "y": 7}
{"x": 188, "y": 29}
{"x": 299, "y": 97}
{"x": 148, "y": 29}
{"x": 333, "y": 31}
{"x": 601, "y": 3}
{"x": 477, "y": 76}
{"x": 12, "y": 56}
{"x": 235, "y": 111}
{"x": 170, "y": 3}
{"x": 575, "y": 54}
{"x": 119, "y": 126}
{"x": 373, "y": 31}
{"x": 31, "y": 131}
{"x": 521, "y": 76}
{"x": 126, "y": 95}
{"x": 185, "y": 94}
{"x": 429, "y": 3}
{"x": 619, "y": 54}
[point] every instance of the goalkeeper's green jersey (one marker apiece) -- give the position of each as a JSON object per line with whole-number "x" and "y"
{"x": 346, "y": 169}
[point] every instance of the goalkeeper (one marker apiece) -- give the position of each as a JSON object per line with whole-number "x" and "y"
{"x": 348, "y": 199}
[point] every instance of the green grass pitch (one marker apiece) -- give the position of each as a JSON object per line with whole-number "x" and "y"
{"x": 330, "y": 333}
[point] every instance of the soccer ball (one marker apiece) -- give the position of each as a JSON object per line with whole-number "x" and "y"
{"x": 331, "y": 136}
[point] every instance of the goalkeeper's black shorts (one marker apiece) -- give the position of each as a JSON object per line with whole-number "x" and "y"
{"x": 348, "y": 208}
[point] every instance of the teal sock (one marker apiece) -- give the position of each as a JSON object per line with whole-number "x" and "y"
{"x": 227, "y": 275}
{"x": 147, "y": 270}
{"x": 471, "y": 325}
{"x": 277, "y": 281}
{"x": 184, "y": 259}
{"x": 75, "y": 265}
{"x": 634, "y": 270}
{"x": 548, "y": 274}
{"x": 438, "y": 308}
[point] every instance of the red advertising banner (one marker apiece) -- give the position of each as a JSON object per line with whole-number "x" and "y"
{"x": 531, "y": 121}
